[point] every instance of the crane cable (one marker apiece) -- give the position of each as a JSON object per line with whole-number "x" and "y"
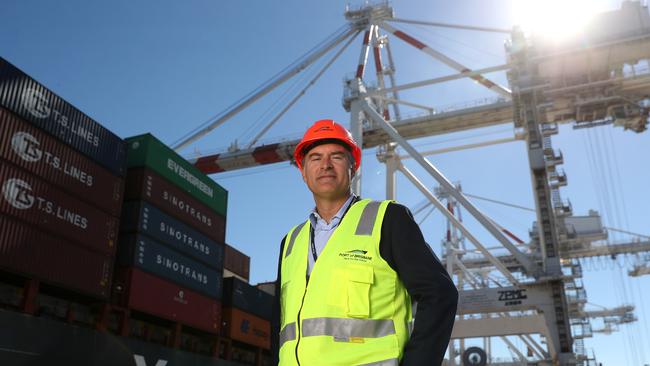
{"x": 292, "y": 89}
{"x": 626, "y": 224}
{"x": 479, "y": 51}
{"x": 622, "y": 220}
{"x": 600, "y": 163}
{"x": 302, "y": 92}
{"x": 264, "y": 116}
{"x": 336, "y": 34}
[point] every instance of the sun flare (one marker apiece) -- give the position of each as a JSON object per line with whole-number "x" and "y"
{"x": 555, "y": 19}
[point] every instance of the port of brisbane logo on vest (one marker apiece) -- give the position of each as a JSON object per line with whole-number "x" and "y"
{"x": 356, "y": 255}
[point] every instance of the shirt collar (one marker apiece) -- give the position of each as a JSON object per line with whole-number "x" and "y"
{"x": 317, "y": 221}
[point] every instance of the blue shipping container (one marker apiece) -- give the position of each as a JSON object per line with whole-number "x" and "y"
{"x": 239, "y": 294}
{"x": 144, "y": 217}
{"x": 36, "y": 104}
{"x": 147, "y": 254}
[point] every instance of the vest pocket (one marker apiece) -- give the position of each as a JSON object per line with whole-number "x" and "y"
{"x": 360, "y": 278}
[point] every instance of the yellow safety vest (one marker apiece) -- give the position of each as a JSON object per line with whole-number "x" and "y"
{"x": 354, "y": 310}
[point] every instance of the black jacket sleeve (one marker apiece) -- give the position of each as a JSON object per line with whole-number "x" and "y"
{"x": 275, "y": 315}
{"x": 427, "y": 282}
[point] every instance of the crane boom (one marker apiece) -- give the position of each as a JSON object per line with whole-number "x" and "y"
{"x": 428, "y": 125}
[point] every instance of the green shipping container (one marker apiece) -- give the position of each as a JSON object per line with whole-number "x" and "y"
{"x": 146, "y": 150}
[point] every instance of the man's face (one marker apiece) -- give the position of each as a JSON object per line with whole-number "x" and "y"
{"x": 327, "y": 171}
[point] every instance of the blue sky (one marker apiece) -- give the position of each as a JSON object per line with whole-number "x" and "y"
{"x": 166, "y": 66}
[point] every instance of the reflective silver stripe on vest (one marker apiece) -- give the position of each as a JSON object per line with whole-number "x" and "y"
{"x": 288, "y": 333}
{"x": 345, "y": 328}
{"x": 368, "y": 216}
{"x": 292, "y": 240}
{"x": 391, "y": 362}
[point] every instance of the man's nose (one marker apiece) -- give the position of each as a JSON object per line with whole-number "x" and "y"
{"x": 326, "y": 163}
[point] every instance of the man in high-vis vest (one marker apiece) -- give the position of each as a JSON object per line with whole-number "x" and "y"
{"x": 357, "y": 284}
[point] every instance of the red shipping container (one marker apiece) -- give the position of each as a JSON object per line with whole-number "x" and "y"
{"x": 246, "y": 328}
{"x": 152, "y": 295}
{"x": 143, "y": 183}
{"x": 35, "y": 151}
{"x": 36, "y": 202}
{"x": 38, "y": 255}
{"x": 236, "y": 262}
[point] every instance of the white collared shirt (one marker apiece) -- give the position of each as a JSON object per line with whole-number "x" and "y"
{"x": 323, "y": 231}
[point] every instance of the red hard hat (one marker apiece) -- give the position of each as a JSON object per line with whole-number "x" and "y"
{"x": 326, "y": 129}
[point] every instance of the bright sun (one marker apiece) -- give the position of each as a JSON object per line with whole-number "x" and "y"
{"x": 555, "y": 19}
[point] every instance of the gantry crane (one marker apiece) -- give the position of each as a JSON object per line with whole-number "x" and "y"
{"x": 534, "y": 291}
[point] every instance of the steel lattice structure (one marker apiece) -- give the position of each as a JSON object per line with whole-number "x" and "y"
{"x": 534, "y": 291}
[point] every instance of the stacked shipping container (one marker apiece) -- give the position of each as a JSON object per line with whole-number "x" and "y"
{"x": 69, "y": 210}
{"x": 171, "y": 248}
{"x": 61, "y": 176}
{"x": 246, "y": 309}
{"x": 246, "y": 313}
{"x": 236, "y": 264}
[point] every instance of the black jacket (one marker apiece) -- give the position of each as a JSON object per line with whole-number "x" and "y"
{"x": 403, "y": 247}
